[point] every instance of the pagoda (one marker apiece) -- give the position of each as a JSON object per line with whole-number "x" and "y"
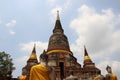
{"x": 30, "y": 62}
{"x": 62, "y": 58}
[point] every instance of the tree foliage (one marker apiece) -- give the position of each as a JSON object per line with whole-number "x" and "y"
{"x": 6, "y": 64}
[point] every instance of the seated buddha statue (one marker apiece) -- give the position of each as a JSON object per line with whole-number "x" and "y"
{"x": 110, "y": 75}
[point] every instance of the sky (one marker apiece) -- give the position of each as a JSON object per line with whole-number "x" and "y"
{"x": 93, "y": 23}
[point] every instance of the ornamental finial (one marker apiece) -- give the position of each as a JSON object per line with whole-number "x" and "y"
{"x": 58, "y": 18}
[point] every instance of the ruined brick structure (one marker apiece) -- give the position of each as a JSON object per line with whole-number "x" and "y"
{"x": 62, "y": 58}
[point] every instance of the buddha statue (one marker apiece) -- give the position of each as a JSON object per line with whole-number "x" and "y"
{"x": 110, "y": 75}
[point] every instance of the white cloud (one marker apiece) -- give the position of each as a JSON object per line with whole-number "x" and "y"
{"x": 78, "y": 52}
{"x": 11, "y": 23}
{"x": 12, "y": 32}
{"x": 22, "y": 59}
{"x": 67, "y": 4}
{"x": 113, "y": 64}
{"x": 57, "y": 7}
{"x": 28, "y": 47}
{"x": 0, "y": 21}
{"x": 99, "y": 32}
{"x": 20, "y": 62}
{"x": 54, "y": 11}
{"x": 51, "y": 2}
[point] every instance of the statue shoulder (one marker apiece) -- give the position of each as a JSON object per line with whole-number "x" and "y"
{"x": 114, "y": 76}
{"x": 111, "y": 76}
{"x": 108, "y": 74}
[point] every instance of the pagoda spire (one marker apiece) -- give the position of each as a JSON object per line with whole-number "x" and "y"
{"x": 86, "y": 56}
{"x": 58, "y": 18}
{"x": 85, "y": 51}
{"x": 34, "y": 50}
{"x": 88, "y": 65}
{"x": 58, "y": 27}
{"x": 33, "y": 54}
{"x": 30, "y": 62}
{"x": 58, "y": 41}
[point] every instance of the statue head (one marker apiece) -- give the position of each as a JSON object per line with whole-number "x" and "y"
{"x": 44, "y": 57}
{"x": 108, "y": 68}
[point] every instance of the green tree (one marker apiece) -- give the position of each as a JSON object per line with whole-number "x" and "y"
{"x": 6, "y": 65}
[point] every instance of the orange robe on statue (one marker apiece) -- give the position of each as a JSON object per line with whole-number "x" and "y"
{"x": 22, "y": 77}
{"x": 113, "y": 77}
{"x": 39, "y": 72}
